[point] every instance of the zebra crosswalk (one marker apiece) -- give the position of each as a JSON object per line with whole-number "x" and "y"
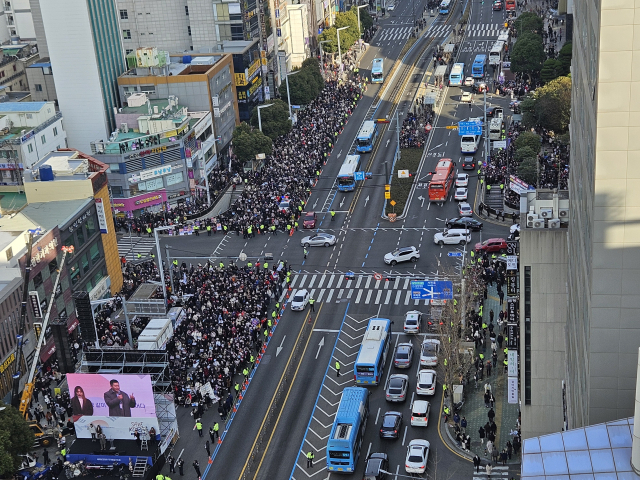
{"x": 394, "y": 33}
{"x": 332, "y": 287}
{"x": 130, "y": 247}
{"x": 484, "y": 30}
{"x": 499, "y": 471}
{"x": 437, "y": 31}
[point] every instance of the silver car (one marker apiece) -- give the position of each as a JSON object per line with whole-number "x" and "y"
{"x": 397, "y": 388}
{"x": 319, "y": 240}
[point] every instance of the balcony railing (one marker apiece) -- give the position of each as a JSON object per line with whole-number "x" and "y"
{"x": 7, "y": 7}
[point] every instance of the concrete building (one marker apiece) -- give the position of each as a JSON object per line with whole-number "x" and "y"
{"x": 42, "y": 86}
{"x": 206, "y": 83}
{"x": 13, "y": 61}
{"x": 248, "y": 77}
{"x": 543, "y": 310}
{"x": 603, "y": 332}
{"x": 28, "y": 132}
{"x": 162, "y": 154}
{"x": 84, "y": 43}
{"x": 19, "y": 20}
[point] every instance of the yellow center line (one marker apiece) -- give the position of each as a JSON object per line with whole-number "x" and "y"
{"x": 276, "y": 391}
{"x": 284, "y": 403}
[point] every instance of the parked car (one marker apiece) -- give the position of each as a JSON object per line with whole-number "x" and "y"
{"x": 420, "y": 413}
{"x": 492, "y": 245}
{"x": 391, "y": 424}
{"x": 403, "y": 254}
{"x": 403, "y": 356}
{"x": 309, "y": 220}
{"x": 426, "y": 382}
{"x": 319, "y": 240}
{"x": 452, "y": 236}
{"x": 300, "y": 300}
{"x": 412, "y": 322}
{"x": 417, "y": 456}
{"x": 397, "y": 388}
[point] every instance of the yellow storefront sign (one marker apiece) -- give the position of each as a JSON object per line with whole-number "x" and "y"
{"x": 241, "y": 80}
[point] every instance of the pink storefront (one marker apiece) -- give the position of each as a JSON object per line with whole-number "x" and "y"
{"x": 138, "y": 202}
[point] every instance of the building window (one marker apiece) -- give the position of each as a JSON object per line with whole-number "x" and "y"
{"x": 186, "y": 10}
{"x": 94, "y": 251}
{"x": 126, "y": 34}
{"x": 9, "y": 253}
{"x": 30, "y": 148}
{"x": 75, "y": 274}
{"x": 91, "y": 227}
{"x": 116, "y": 192}
{"x": 85, "y": 263}
{"x": 128, "y": 51}
{"x": 38, "y": 87}
{"x": 55, "y": 131}
{"x": 80, "y": 237}
{"x": 53, "y": 266}
{"x": 15, "y": 68}
{"x": 124, "y": 15}
{"x": 37, "y": 280}
{"x": 527, "y": 335}
{"x": 189, "y": 30}
{"x": 29, "y": 116}
{"x": 43, "y": 139}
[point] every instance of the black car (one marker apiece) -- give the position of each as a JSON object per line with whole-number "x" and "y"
{"x": 468, "y": 163}
{"x": 465, "y": 222}
{"x": 391, "y": 425}
{"x": 375, "y": 463}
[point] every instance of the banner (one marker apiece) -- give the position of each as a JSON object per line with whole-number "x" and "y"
{"x": 119, "y": 404}
{"x": 102, "y": 218}
{"x": 512, "y": 335}
{"x": 512, "y": 390}
{"x": 512, "y": 367}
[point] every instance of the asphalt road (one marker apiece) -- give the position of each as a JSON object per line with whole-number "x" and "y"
{"x": 310, "y": 392}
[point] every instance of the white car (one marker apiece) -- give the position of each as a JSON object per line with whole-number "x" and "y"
{"x": 300, "y": 300}
{"x": 319, "y": 240}
{"x": 420, "y": 413}
{"x": 469, "y": 81}
{"x": 465, "y": 210}
{"x": 412, "y": 321}
{"x": 429, "y": 352}
{"x": 461, "y": 194}
{"x": 402, "y": 255}
{"x": 453, "y": 236}
{"x": 391, "y": 8}
{"x": 426, "y": 384}
{"x": 417, "y": 456}
{"x": 462, "y": 180}
{"x": 466, "y": 97}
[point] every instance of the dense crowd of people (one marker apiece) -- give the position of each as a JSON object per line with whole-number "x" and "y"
{"x": 414, "y": 133}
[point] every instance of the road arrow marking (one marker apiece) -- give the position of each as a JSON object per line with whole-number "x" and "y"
{"x": 421, "y": 198}
{"x": 319, "y": 347}
{"x": 279, "y": 349}
{"x": 388, "y": 140}
{"x": 366, "y": 200}
{"x": 342, "y": 202}
{"x": 314, "y": 205}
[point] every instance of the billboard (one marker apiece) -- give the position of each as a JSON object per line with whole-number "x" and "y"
{"x": 119, "y": 404}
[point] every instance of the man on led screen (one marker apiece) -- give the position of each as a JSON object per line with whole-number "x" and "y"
{"x": 119, "y": 403}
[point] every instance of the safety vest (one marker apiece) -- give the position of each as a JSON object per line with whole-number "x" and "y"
{"x": 295, "y": 225}
{"x": 221, "y": 264}
{"x": 249, "y": 229}
{"x": 249, "y": 264}
{"x": 446, "y": 410}
{"x": 208, "y": 228}
{"x": 159, "y": 477}
{"x": 312, "y": 301}
{"x": 175, "y": 262}
{"x": 199, "y": 425}
{"x": 237, "y": 387}
{"x": 148, "y": 230}
{"x": 310, "y": 455}
{"x": 245, "y": 372}
{"x": 269, "y": 322}
{"x": 266, "y": 265}
{"x": 337, "y": 365}
{"x": 216, "y": 427}
{"x": 481, "y": 356}
{"x": 251, "y": 359}
{"x": 262, "y": 226}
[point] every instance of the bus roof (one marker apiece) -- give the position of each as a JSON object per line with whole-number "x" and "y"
{"x": 377, "y": 63}
{"x": 497, "y": 46}
{"x": 367, "y": 129}
{"x": 457, "y": 68}
{"x": 443, "y": 168}
{"x": 445, "y": 3}
{"x": 376, "y": 334}
{"x": 480, "y": 58}
{"x": 504, "y": 36}
{"x": 349, "y": 411}
{"x": 350, "y": 165}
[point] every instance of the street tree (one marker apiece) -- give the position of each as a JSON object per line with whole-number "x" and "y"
{"x": 551, "y": 70}
{"x": 304, "y": 87}
{"x": 249, "y": 142}
{"x": 528, "y": 139}
{"x": 16, "y": 438}
{"x": 522, "y": 153}
{"x": 564, "y": 57}
{"x": 528, "y": 170}
{"x": 313, "y": 65}
{"x": 528, "y": 54}
{"x": 347, "y": 37}
{"x": 275, "y": 119}
{"x": 552, "y": 108}
{"x": 529, "y": 22}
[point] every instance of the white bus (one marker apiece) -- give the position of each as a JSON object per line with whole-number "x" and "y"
{"x": 495, "y": 55}
{"x": 504, "y": 36}
{"x": 495, "y": 129}
{"x": 444, "y": 7}
{"x": 346, "y": 176}
{"x": 469, "y": 143}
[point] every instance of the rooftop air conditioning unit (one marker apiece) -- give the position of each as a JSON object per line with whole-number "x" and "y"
{"x": 554, "y": 223}
{"x": 546, "y": 213}
{"x": 563, "y": 214}
{"x": 532, "y": 217}
{"x": 538, "y": 223}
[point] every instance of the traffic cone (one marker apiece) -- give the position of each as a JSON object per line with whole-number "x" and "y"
{"x": 234, "y": 409}
{"x": 219, "y": 440}
{"x": 270, "y": 334}
{"x": 210, "y": 461}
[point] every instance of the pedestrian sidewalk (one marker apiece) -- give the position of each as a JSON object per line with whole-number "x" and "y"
{"x": 474, "y": 409}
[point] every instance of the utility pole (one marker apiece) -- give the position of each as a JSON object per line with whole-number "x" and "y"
{"x": 170, "y": 268}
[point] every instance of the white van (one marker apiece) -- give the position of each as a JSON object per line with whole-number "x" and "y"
{"x": 469, "y": 143}
{"x": 420, "y": 413}
{"x": 495, "y": 129}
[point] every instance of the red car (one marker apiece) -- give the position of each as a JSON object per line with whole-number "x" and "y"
{"x": 497, "y": 5}
{"x": 492, "y": 245}
{"x": 309, "y": 220}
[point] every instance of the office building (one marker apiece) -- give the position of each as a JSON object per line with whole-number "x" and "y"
{"x": 85, "y": 48}
{"x": 19, "y": 20}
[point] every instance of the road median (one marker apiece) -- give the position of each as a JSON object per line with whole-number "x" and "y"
{"x": 401, "y": 187}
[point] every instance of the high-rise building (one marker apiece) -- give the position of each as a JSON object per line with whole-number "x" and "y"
{"x": 85, "y": 48}
{"x": 603, "y": 331}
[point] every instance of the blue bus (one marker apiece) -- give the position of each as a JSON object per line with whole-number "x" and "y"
{"x": 367, "y": 136}
{"x": 377, "y": 75}
{"x": 479, "y": 65}
{"x": 457, "y": 75}
{"x": 444, "y": 7}
{"x": 347, "y": 433}
{"x": 372, "y": 356}
{"x": 346, "y": 175}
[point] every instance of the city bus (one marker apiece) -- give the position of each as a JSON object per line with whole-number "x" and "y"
{"x": 495, "y": 55}
{"x": 367, "y": 136}
{"x": 346, "y": 176}
{"x": 457, "y": 75}
{"x": 377, "y": 75}
{"x": 347, "y": 433}
{"x": 479, "y": 65}
{"x": 372, "y": 356}
{"x": 510, "y": 5}
{"x": 442, "y": 180}
{"x": 445, "y": 5}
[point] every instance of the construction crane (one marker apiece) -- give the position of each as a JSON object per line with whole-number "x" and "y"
{"x": 23, "y": 403}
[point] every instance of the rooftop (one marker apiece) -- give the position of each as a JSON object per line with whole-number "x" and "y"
{"x": 44, "y": 215}
{"x": 65, "y": 164}
{"x": 596, "y": 452}
{"x": 8, "y": 276}
{"x": 17, "y": 107}
{"x": 161, "y": 103}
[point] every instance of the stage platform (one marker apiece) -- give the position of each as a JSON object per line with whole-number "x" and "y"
{"x": 85, "y": 449}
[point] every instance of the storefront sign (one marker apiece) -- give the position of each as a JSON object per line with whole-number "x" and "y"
{"x": 241, "y": 79}
{"x": 512, "y": 262}
{"x": 27, "y": 136}
{"x": 512, "y": 310}
{"x": 34, "y": 299}
{"x": 98, "y": 292}
{"x": 512, "y": 335}
{"x": 102, "y": 217}
{"x": 41, "y": 253}
{"x": 7, "y": 363}
{"x": 512, "y": 388}
{"x": 155, "y": 172}
{"x": 255, "y": 67}
{"x": 518, "y": 185}
{"x": 80, "y": 220}
{"x": 140, "y": 201}
{"x": 173, "y": 133}
{"x": 10, "y": 166}
{"x": 512, "y": 284}
{"x": 148, "y": 151}
{"x": 512, "y": 367}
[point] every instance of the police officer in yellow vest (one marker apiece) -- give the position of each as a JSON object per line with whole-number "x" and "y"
{"x": 310, "y": 457}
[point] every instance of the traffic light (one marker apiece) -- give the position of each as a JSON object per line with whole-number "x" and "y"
{"x": 387, "y": 191}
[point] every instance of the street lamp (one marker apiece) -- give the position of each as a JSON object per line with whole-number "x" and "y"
{"x": 321, "y": 59}
{"x": 289, "y": 94}
{"x": 360, "y": 31}
{"x": 340, "y": 51}
{"x": 260, "y": 118}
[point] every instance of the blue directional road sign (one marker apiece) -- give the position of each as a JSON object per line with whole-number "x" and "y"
{"x": 431, "y": 290}
{"x": 454, "y": 254}
{"x": 357, "y": 176}
{"x": 469, "y": 128}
